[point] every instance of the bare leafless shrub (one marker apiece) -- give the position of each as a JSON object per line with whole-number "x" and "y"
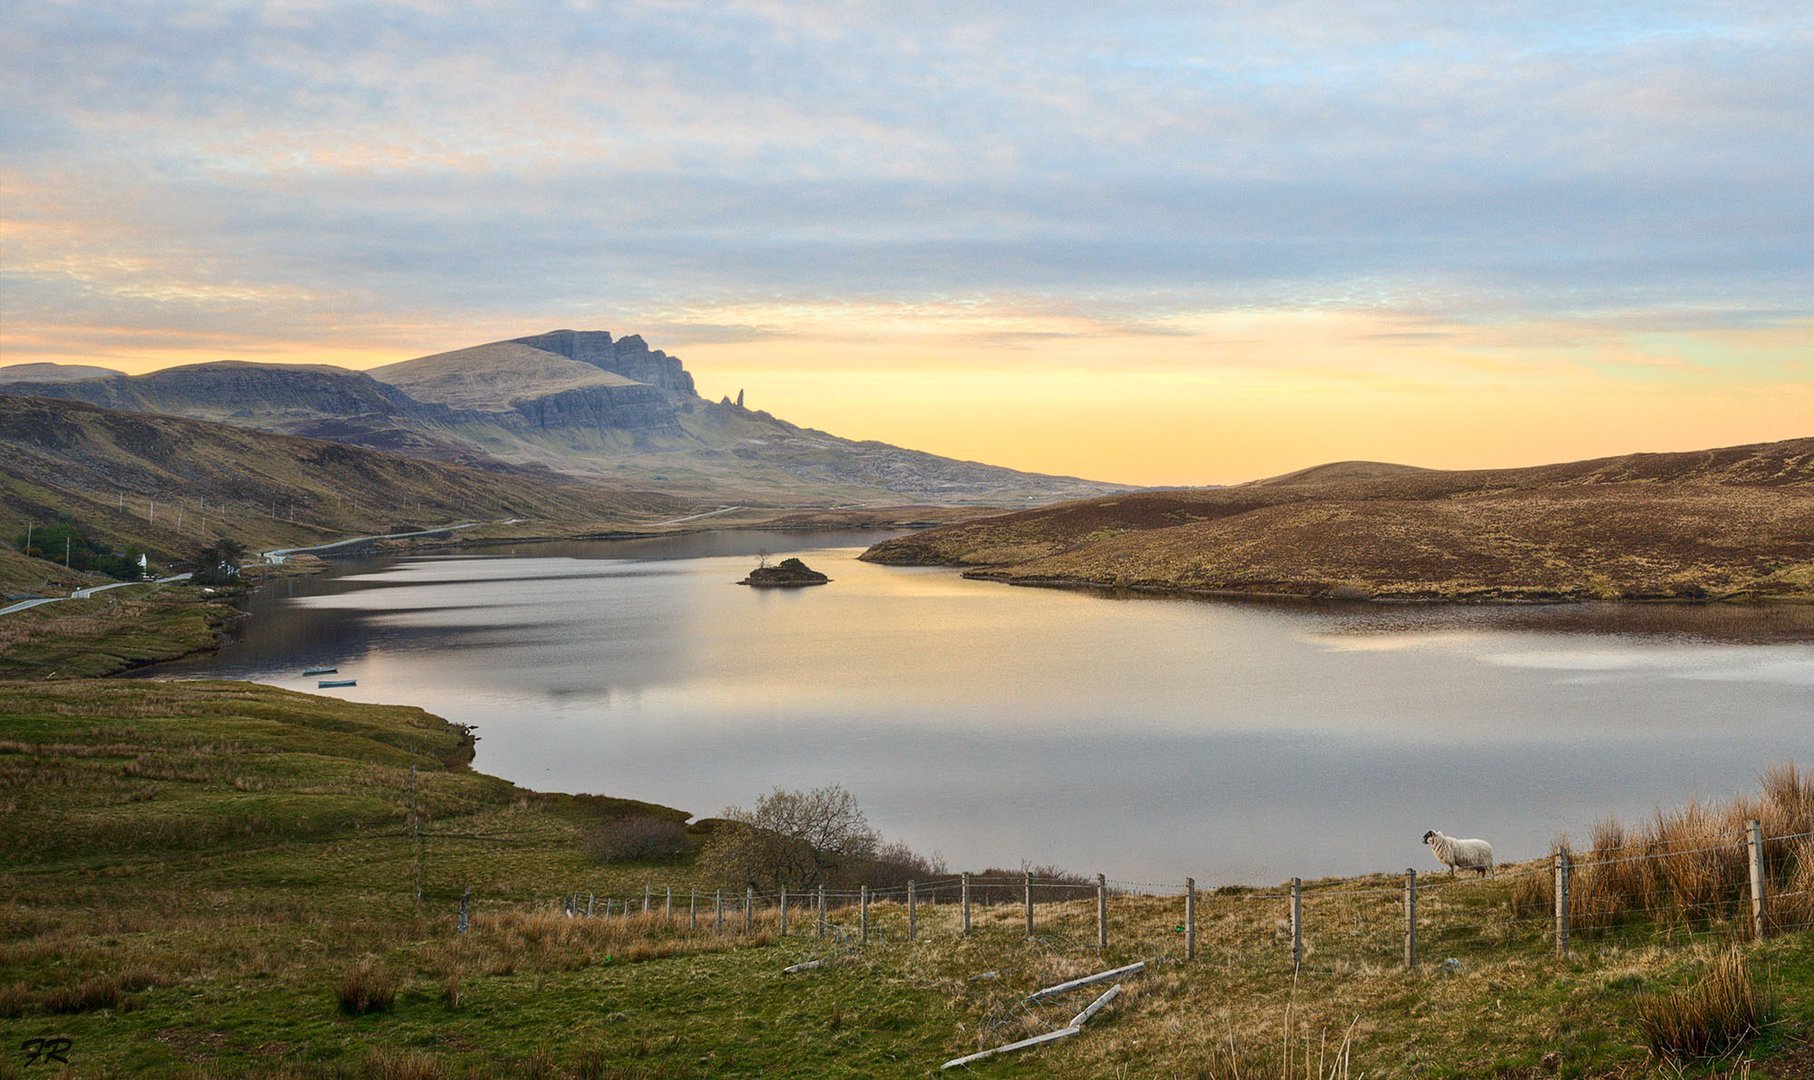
{"x": 896, "y": 864}
{"x": 792, "y": 839}
{"x": 637, "y": 839}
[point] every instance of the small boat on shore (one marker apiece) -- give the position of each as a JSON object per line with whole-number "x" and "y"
{"x": 320, "y": 670}
{"x": 326, "y": 683}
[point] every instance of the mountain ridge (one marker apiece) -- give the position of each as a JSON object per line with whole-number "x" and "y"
{"x": 583, "y": 403}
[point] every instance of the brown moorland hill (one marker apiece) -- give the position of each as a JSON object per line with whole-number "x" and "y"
{"x": 1732, "y": 523}
{"x": 126, "y": 476}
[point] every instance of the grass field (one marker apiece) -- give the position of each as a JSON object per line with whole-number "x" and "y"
{"x": 193, "y": 875}
{"x": 110, "y": 632}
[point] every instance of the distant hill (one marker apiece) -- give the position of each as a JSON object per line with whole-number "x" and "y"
{"x": 1729, "y": 523}
{"x": 577, "y": 402}
{"x": 487, "y": 376}
{"x": 107, "y": 469}
{"x": 21, "y": 373}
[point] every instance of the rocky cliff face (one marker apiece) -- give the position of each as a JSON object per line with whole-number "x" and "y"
{"x": 628, "y": 356}
{"x": 639, "y": 410}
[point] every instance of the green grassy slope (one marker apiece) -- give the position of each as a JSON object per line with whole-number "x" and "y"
{"x": 188, "y": 870}
{"x": 1732, "y": 523}
{"x": 107, "y": 468}
{"x": 109, "y": 633}
{"x": 20, "y": 574}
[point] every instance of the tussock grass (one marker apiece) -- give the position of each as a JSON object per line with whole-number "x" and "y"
{"x": 1721, "y": 1011}
{"x": 1689, "y": 865}
{"x": 366, "y": 987}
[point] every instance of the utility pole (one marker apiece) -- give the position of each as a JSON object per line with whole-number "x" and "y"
{"x": 28, "y": 526}
{"x": 65, "y": 551}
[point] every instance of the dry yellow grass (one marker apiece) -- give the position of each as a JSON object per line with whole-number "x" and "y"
{"x": 1725, "y": 524}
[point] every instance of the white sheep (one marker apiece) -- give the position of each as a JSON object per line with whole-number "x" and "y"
{"x": 1461, "y": 854}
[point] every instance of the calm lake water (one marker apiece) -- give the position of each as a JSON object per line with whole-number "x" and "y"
{"x": 1144, "y": 738}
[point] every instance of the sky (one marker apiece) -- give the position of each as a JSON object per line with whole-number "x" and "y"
{"x": 1156, "y": 243}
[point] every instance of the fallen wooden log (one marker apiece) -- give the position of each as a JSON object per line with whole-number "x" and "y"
{"x": 1087, "y": 980}
{"x": 806, "y": 965}
{"x": 1024, "y": 1044}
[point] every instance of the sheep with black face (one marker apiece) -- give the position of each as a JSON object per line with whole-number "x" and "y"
{"x": 1456, "y": 854}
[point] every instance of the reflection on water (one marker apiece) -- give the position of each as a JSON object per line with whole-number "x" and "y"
{"x": 1150, "y": 738}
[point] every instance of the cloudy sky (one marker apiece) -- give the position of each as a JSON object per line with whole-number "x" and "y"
{"x": 1173, "y": 244}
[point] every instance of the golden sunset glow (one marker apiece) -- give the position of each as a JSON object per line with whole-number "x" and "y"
{"x": 1175, "y": 247}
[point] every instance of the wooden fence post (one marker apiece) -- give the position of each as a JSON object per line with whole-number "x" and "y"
{"x": 863, "y": 908}
{"x": 465, "y": 908}
{"x": 590, "y": 897}
{"x": 645, "y": 898}
{"x": 912, "y": 921}
{"x": 667, "y": 905}
{"x": 1754, "y": 836}
{"x": 1102, "y": 913}
{"x": 1562, "y": 869}
{"x": 692, "y": 909}
{"x": 1410, "y": 918}
{"x": 749, "y": 904}
{"x": 718, "y": 912}
{"x": 1297, "y": 923}
{"x": 1027, "y": 883}
{"x": 966, "y": 903}
{"x": 1190, "y": 918}
{"x": 784, "y": 911}
{"x": 821, "y": 909}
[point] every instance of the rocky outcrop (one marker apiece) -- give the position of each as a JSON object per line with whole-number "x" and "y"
{"x": 628, "y": 356}
{"x": 640, "y": 410}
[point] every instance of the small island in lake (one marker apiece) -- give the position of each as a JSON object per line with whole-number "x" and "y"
{"x": 787, "y": 574}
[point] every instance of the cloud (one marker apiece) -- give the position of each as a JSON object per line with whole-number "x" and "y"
{"x": 299, "y": 168}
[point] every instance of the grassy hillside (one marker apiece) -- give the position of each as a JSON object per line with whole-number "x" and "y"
{"x": 20, "y": 574}
{"x": 107, "y": 469}
{"x": 1736, "y": 523}
{"x": 491, "y": 376}
{"x": 193, "y": 875}
{"x": 112, "y": 632}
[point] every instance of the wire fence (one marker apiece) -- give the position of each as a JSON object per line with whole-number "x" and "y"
{"x": 1748, "y": 888}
